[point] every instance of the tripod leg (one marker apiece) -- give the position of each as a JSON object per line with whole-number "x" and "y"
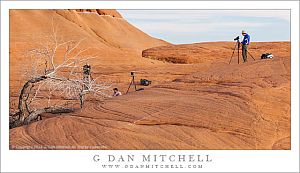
{"x": 250, "y": 55}
{"x": 134, "y": 83}
{"x": 233, "y": 52}
{"x": 238, "y": 52}
{"x": 129, "y": 86}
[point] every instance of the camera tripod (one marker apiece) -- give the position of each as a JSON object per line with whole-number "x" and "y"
{"x": 238, "y": 45}
{"x": 131, "y": 83}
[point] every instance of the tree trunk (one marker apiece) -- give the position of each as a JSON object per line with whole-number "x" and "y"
{"x": 53, "y": 110}
{"x": 23, "y": 97}
{"x": 19, "y": 118}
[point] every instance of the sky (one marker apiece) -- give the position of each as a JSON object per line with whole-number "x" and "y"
{"x": 191, "y": 26}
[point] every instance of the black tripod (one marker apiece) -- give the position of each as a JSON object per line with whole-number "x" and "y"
{"x": 131, "y": 83}
{"x": 238, "y": 44}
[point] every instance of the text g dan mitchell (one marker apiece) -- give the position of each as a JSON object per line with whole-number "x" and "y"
{"x": 152, "y": 158}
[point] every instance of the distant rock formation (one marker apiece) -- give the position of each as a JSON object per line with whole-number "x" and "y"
{"x": 112, "y": 13}
{"x": 210, "y": 52}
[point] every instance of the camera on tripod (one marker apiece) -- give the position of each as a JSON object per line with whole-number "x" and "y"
{"x": 132, "y": 73}
{"x": 132, "y": 82}
{"x": 237, "y": 38}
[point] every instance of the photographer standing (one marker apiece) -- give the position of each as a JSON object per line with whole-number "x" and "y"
{"x": 245, "y": 44}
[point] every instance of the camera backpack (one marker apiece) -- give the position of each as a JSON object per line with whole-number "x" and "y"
{"x": 266, "y": 56}
{"x": 145, "y": 82}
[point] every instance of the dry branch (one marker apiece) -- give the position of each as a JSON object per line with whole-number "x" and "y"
{"x": 46, "y": 78}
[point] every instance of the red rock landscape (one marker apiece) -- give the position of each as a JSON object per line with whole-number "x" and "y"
{"x": 196, "y": 100}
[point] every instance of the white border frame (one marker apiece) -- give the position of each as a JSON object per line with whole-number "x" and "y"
{"x": 79, "y": 161}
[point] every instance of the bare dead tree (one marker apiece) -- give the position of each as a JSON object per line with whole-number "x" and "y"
{"x": 55, "y": 74}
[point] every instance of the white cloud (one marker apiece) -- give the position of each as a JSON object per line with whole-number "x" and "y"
{"x": 199, "y": 27}
{"x": 214, "y": 24}
{"x": 202, "y": 14}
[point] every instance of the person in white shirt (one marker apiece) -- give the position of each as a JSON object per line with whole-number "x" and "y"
{"x": 117, "y": 92}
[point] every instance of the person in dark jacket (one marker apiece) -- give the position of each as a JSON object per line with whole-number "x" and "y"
{"x": 245, "y": 44}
